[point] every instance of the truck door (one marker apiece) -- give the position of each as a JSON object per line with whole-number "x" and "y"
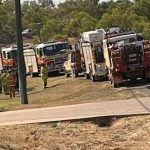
{"x": 99, "y": 55}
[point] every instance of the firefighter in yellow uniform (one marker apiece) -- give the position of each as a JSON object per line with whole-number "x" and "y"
{"x": 4, "y": 83}
{"x": 10, "y": 79}
{"x": 44, "y": 75}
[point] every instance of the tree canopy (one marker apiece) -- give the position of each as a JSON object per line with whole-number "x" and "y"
{"x": 71, "y": 18}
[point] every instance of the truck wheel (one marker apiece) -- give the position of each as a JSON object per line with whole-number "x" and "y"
{"x": 86, "y": 76}
{"x": 67, "y": 75}
{"x": 93, "y": 78}
{"x": 74, "y": 73}
{"x": 110, "y": 82}
{"x": 115, "y": 85}
{"x": 31, "y": 74}
{"x": 148, "y": 79}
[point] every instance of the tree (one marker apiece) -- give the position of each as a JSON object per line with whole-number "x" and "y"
{"x": 49, "y": 29}
{"x": 46, "y": 3}
{"x": 79, "y": 22}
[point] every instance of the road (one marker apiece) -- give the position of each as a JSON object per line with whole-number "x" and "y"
{"x": 99, "y": 99}
{"x": 80, "y": 111}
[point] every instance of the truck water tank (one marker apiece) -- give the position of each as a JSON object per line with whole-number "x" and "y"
{"x": 92, "y": 36}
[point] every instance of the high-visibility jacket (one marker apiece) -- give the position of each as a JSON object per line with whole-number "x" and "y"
{"x": 44, "y": 72}
{"x": 10, "y": 79}
{"x": 3, "y": 78}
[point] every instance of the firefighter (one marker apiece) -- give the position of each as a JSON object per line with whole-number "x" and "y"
{"x": 4, "y": 83}
{"x": 0, "y": 82}
{"x": 44, "y": 75}
{"x": 10, "y": 79}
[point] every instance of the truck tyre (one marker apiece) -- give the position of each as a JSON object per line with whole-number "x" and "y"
{"x": 148, "y": 79}
{"x": 110, "y": 81}
{"x": 32, "y": 74}
{"x": 115, "y": 85}
{"x": 67, "y": 75}
{"x": 86, "y": 76}
{"x": 74, "y": 73}
{"x": 93, "y": 78}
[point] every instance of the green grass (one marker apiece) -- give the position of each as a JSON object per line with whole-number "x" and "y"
{"x": 62, "y": 91}
{"x": 6, "y": 105}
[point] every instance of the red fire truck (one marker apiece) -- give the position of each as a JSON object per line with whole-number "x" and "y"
{"x": 8, "y": 59}
{"x": 53, "y": 54}
{"x": 126, "y": 57}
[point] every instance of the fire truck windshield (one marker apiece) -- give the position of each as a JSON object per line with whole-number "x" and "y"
{"x": 12, "y": 54}
{"x": 55, "y": 49}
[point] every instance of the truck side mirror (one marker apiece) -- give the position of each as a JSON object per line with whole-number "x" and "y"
{"x": 76, "y": 47}
{"x": 8, "y": 55}
{"x": 40, "y": 53}
{"x": 70, "y": 47}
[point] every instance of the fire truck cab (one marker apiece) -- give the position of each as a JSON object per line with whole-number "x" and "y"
{"x": 53, "y": 54}
{"x": 9, "y": 57}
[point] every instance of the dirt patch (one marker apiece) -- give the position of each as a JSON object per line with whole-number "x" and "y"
{"x": 130, "y": 133}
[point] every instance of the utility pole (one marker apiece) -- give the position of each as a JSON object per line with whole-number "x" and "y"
{"x": 21, "y": 62}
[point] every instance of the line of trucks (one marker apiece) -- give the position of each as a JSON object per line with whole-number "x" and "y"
{"x": 97, "y": 55}
{"x": 117, "y": 56}
{"x": 52, "y": 53}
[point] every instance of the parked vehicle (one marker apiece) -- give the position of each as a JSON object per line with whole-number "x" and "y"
{"x": 125, "y": 57}
{"x": 27, "y": 33}
{"x": 94, "y": 61}
{"x": 53, "y": 54}
{"x": 93, "y": 55}
{"x": 8, "y": 59}
{"x": 147, "y": 58}
{"x": 30, "y": 61}
{"x": 73, "y": 64}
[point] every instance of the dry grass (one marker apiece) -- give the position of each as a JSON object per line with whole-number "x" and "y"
{"x": 62, "y": 91}
{"x": 131, "y": 133}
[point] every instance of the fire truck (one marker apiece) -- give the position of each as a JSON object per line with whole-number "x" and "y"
{"x": 93, "y": 54}
{"x": 31, "y": 61}
{"x": 126, "y": 57}
{"x": 53, "y": 54}
{"x": 8, "y": 59}
{"x": 87, "y": 57}
{"x": 73, "y": 64}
